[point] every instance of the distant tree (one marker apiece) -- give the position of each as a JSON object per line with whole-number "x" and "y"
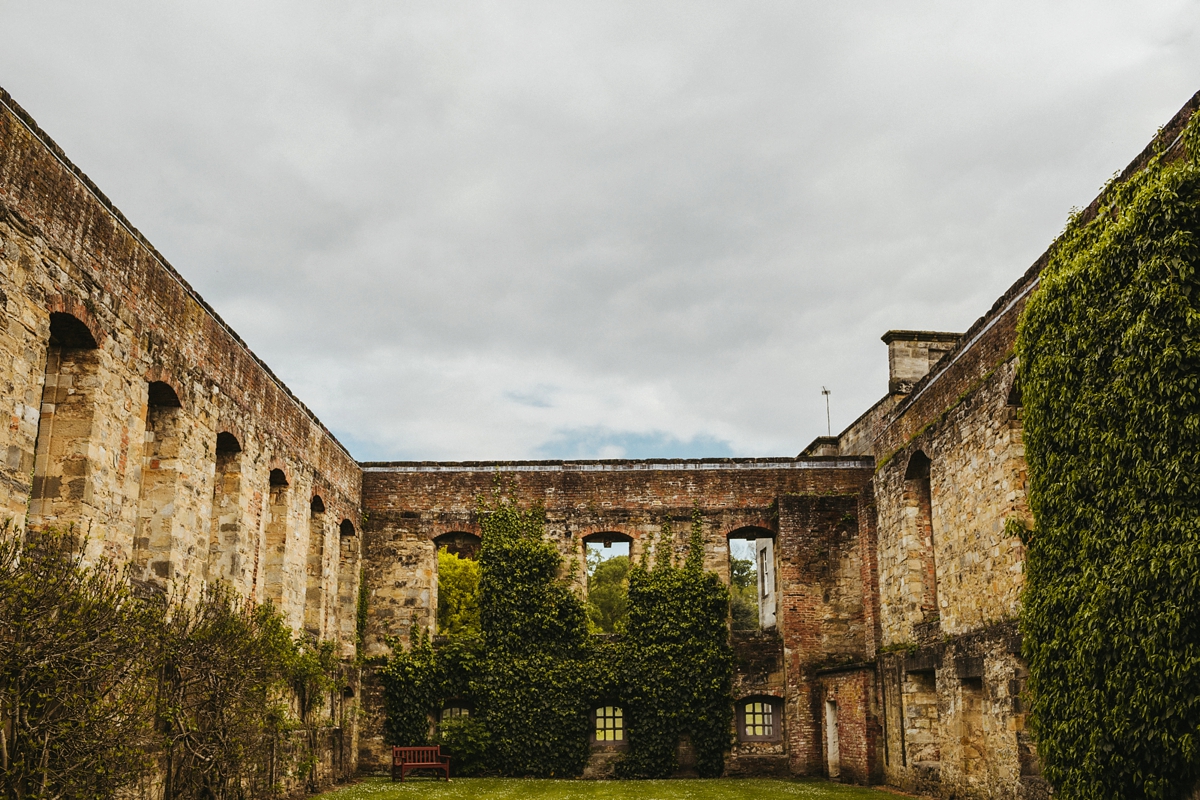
{"x": 458, "y": 595}
{"x": 743, "y": 600}
{"x": 608, "y": 595}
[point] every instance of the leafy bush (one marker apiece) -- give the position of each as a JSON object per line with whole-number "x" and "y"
{"x": 608, "y": 595}
{"x": 410, "y": 681}
{"x": 467, "y": 741}
{"x": 458, "y": 594}
{"x": 1109, "y": 349}
{"x": 76, "y": 672}
{"x": 98, "y": 687}
{"x": 534, "y": 675}
{"x": 534, "y": 637}
{"x": 743, "y": 595}
{"x": 678, "y": 666}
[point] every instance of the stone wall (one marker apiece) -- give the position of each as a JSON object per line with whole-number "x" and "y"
{"x": 140, "y": 419}
{"x": 808, "y": 506}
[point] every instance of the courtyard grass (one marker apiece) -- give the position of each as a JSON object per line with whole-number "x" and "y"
{"x": 514, "y": 789}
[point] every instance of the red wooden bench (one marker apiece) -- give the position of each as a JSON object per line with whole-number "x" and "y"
{"x": 408, "y": 759}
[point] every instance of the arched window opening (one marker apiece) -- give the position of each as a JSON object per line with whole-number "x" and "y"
{"x": 753, "y": 597}
{"x": 314, "y": 592}
{"x": 609, "y": 725}
{"x": 918, "y": 501}
{"x": 608, "y": 564}
{"x": 159, "y": 548}
{"x": 456, "y": 710}
{"x": 760, "y": 719}
{"x": 61, "y": 470}
{"x": 346, "y": 528}
{"x": 459, "y": 543}
{"x": 458, "y": 575}
{"x": 833, "y": 755}
{"x": 277, "y": 539}
{"x": 225, "y": 555}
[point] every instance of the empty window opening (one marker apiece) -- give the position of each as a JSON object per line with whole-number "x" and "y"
{"x": 158, "y": 545}
{"x": 459, "y": 543}
{"x": 743, "y": 584}
{"x": 833, "y": 754}
{"x": 922, "y": 720}
{"x": 608, "y": 565}
{"x": 1014, "y": 395}
{"x": 457, "y": 584}
{"x": 610, "y": 725}
{"x": 455, "y": 712}
{"x": 974, "y": 745}
{"x": 346, "y": 528}
{"x": 226, "y": 548}
{"x": 61, "y": 471}
{"x": 918, "y": 502}
{"x": 759, "y": 719}
{"x": 753, "y": 597}
{"x": 314, "y": 592}
{"x": 276, "y": 539}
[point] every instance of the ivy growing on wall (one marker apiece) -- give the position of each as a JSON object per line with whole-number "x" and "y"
{"x": 678, "y": 666}
{"x": 534, "y": 674}
{"x": 1109, "y": 349}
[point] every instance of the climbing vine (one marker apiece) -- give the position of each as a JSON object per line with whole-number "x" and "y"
{"x": 533, "y": 675}
{"x": 1109, "y": 349}
{"x": 678, "y": 665}
{"x": 535, "y": 636}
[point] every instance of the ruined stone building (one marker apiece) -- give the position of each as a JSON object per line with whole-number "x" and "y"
{"x": 890, "y": 565}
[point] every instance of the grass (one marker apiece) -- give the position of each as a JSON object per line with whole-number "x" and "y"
{"x": 513, "y": 789}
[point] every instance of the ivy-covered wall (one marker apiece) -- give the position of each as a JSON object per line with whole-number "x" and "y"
{"x": 811, "y": 509}
{"x": 1110, "y": 379}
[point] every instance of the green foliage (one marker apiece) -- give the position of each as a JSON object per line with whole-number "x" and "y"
{"x": 458, "y": 594}
{"x": 743, "y": 595}
{"x": 608, "y": 595}
{"x": 467, "y": 741}
{"x": 75, "y": 668}
{"x": 360, "y": 616}
{"x": 534, "y": 633}
{"x": 678, "y": 665}
{"x": 534, "y": 675}
{"x": 223, "y": 674}
{"x": 1109, "y": 349}
{"x": 411, "y": 689}
{"x": 98, "y": 687}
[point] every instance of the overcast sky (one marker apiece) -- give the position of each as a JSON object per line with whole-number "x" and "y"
{"x": 571, "y": 229}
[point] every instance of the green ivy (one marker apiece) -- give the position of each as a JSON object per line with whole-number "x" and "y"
{"x": 1109, "y": 349}
{"x": 410, "y": 681}
{"x": 678, "y": 665}
{"x": 531, "y": 694}
{"x": 534, "y": 675}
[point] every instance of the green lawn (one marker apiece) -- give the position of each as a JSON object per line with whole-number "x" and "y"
{"x": 509, "y": 789}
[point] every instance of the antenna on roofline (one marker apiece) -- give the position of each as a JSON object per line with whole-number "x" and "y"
{"x": 828, "y": 425}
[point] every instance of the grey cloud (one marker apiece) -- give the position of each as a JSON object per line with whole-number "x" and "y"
{"x": 684, "y": 217}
